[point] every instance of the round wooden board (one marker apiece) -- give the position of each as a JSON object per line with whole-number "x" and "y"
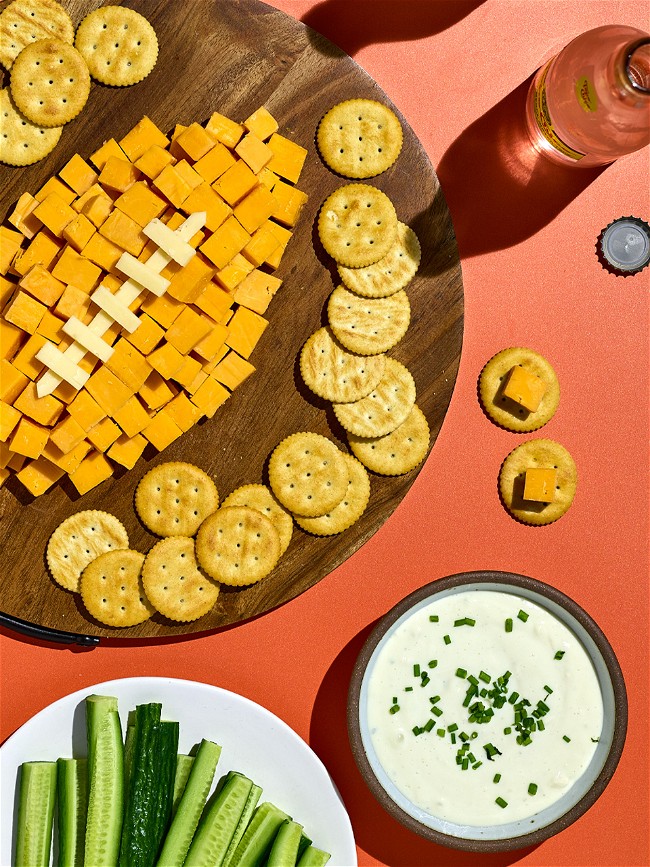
{"x": 233, "y": 56}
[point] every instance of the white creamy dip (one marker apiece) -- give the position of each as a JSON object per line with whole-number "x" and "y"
{"x": 424, "y": 766}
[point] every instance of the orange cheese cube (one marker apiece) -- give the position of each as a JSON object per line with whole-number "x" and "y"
{"x": 42, "y": 285}
{"x": 9, "y": 418}
{"x": 261, "y": 123}
{"x": 236, "y": 182}
{"x": 132, "y": 417}
{"x": 288, "y": 157}
{"x": 163, "y": 309}
{"x": 67, "y": 434}
{"x": 172, "y": 185}
{"x": 118, "y": 174}
{"x": 190, "y": 281}
{"x": 186, "y": 373}
{"x": 188, "y": 329}
{"x": 108, "y": 390}
{"x": 204, "y": 198}
{"x": 540, "y": 484}
{"x": 183, "y": 412}
{"x": 85, "y": 410}
{"x": 95, "y": 204}
{"x": 215, "y": 162}
{"x": 162, "y": 431}
{"x": 54, "y": 185}
{"x": 141, "y": 204}
{"x": 129, "y": 364}
{"x": 268, "y": 178}
{"x": 155, "y": 392}
{"x": 39, "y": 475}
{"x": 51, "y": 327}
{"x": 233, "y": 370}
{"x": 9, "y": 247}
{"x": 74, "y": 269}
{"x": 210, "y": 396}
{"x": 124, "y": 232}
{"x": 78, "y": 175}
{"x": 255, "y": 153}
{"x": 78, "y": 232}
{"x": 16, "y": 462}
{"x": 212, "y": 342}
{"x": 224, "y": 130}
{"x": 7, "y": 288}
{"x": 214, "y": 301}
{"x": 24, "y": 312}
{"x": 73, "y": 302}
{"x": 5, "y": 455}
{"x": 102, "y": 252}
{"x": 185, "y": 170}
{"x": 109, "y": 149}
{"x": 67, "y": 462}
{"x": 195, "y": 141}
{"x": 153, "y": 161}
{"x": 174, "y": 149}
{"x": 45, "y": 410}
{"x": 143, "y": 135}
{"x": 28, "y": 438}
{"x": 103, "y": 434}
{"x": 256, "y": 291}
{"x": 146, "y": 336}
{"x": 166, "y": 359}
{"x": 234, "y": 272}
{"x": 284, "y": 236}
{"x": 261, "y": 245}
{"x": 12, "y": 381}
{"x": 255, "y": 209}
{"x": 525, "y": 388}
{"x": 127, "y": 450}
{"x": 23, "y": 217}
{"x": 25, "y": 360}
{"x": 289, "y": 202}
{"x": 65, "y": 392}
{"x": 228, "y": 240}
{"x": 209, "y": 366}
{"x": 244, "y": 331}
{"x": 197, "y": 382}
{"x": 92, "y": 471}
{"x": 43, "y": 250}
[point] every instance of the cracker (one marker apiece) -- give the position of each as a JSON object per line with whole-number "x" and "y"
{"x": 335, "y": 374}
{"x": 385, "y": 408}
{"x": 359, "y": 138}
{"x": 237, "y": 546}
{"x": 540, "y": 453}
{"x": 111, "y": 589}
{"x": 357, "y": 225}
{"x": 351, "y": 507}
{"x": 78, "y": 541}
{"x": 174, "y": 498}
{"x": 22, "y": 142}
{"x": 307, "y": 474}
{"x": 118, "y": 44}
{"x": 506, "y": 412}
{"x": 399, "y": 451}
{"x": 259, "y": 497}
{"x": 25, "y": 21}
{"x": 173, "y": 582}
{"x": 50, "y": 82}
{"x": 368, "y": 326}
{"x": 390, "y": 274}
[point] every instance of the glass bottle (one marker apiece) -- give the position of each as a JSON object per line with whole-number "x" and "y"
{"x": 590, "y": 104}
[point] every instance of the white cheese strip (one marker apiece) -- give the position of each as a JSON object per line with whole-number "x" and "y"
{"x": 167, "y": 240}
{"x": 118, "y": 311}
{"x": 139, "y": 272}
{"x": 86, "y": 337}
{"x": 62, "y": 366}
{"x": 126, "y": 294}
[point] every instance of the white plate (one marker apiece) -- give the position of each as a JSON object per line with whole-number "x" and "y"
{"x": 254, "y": 742}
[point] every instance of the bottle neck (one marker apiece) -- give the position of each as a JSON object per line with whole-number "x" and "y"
{"x": 632, "y": 72}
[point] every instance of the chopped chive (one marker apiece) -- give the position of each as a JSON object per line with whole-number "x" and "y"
{"x": 434, "y": 699}
{"x": 393, "y": 709}
{"x": 434, "y": 618}
{"x": 566, "y": 738}
{"x": 452, "y": 728}
{"x": 522, "y": 615}
{"x": 507, "y": 730}
{"x": 509, "y": 624}
{"x": 433, "y": 663}
{"x": 436, "y": 710}
{"x": 540, "y": 725}
{"x": 503, "y": 804}
{"x": 460, "y": 672}
{"x": 463, "y": 737}
{"x": 484, "y": 676}
{"x": 532, "y": 789}
{"x": 416, "y": 730}
{"x": 440, "y": 732}
{"x": 416, "y": 670}
{"x": 477, "y": 765}
{"x": 559, "y": 654}
{"x": 465, "y": 764}
{"x": 408, "y": 689}
{"x": 594, "y": 740}
{"x": 471, "y": 757}
{"x": 429, "y": 725}
{"x": 472, "y": 680}
{"x": 548, "y": 689}
{"x": 513, "y": 697}
{"x": 465, "y": 621}
{"x": 496, "y": 778}
{"x": 473, "y": 735}
{"x": 447, "y": 639}
{"x": 453, "y": 738}
{"x": 394, "y": 699}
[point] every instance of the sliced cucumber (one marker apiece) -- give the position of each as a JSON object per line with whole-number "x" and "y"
{"x": 179, "y": 837}
{"x": 304, "y": 843}
{"x": 313, "y": 857}
{"x": 35, "y": 814}
{"x": 105, "y": 782}
{"x": 244, "y": 819}
{"x": 220, "y": 822}
{"x": 258, "y": 837}
{"x": 284, "y": 852}
{"x": 72, "y": 792}
{"x": 183, "y": 767}
{"x": 167, "y": 749}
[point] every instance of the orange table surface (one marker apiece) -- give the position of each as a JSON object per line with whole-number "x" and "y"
{"x": 456, "y": 69}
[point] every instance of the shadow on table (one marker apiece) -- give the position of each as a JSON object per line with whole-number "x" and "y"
{"x": 499, "y": 190}
{"x": 353, "y": 24}
{"x": 376, "y": 832}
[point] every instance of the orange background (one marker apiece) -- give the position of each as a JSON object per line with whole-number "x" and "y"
{"x": 456, "y": 69}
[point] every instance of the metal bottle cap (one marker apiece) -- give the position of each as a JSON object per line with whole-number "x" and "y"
{"x": 624, "y": 246}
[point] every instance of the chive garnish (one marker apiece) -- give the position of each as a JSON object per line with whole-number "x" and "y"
{"x": 465, "y": 764}
{"x": 548, "y": 690}
{"x": 434, "y": 618}
{"x": 566, "y": 738}
{"x": 540, "y": 725}
{"x": 416, "y": 670}
{"x": 453, "y": 738}
{"x": 559, "y": 654}
{"x": 460, "y": 672}
{"x": 408, "y": 689}
{"x": 416, "y": 730}
{"x": 522, "y": 616}
{"x": 429, "y": 725}
{"x": 507, "y": 730}
{"x": 440, "y": 732}
{"x": 436, "y": 710}
{"x": 473, "y": 735}
{"x": 484, "y": 676}
{"x": 434, "y": 699}
{"x": 509, "y": 624}
{"x": 496, "y": 778}
{"x": 532, "y": 789}
{"x": 594, "y": 740}
{"x": 477, "y": 765}
{"x": 503, "y": 804}
{"x": 465, "y": 621}
{"x": 394, "y": 699}
{"x": 452, "y": 728}
{"x": 393, "y": 709}
{"x": 447, "y": 639}
{"x": 433, "y": 663}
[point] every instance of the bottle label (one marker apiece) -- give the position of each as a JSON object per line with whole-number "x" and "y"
{"x": 544, "y": 122}
{"x": 586, "y": 94}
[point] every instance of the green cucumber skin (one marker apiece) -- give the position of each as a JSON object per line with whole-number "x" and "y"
{"x": 304, "y": 843}
{"x": 313, "y": 857}
{"x": 219, "y": 823}
{"x": 179, "y": 837}
{"x": 105, "y": 782}
{"x": 258, "y": 837}
{"x": 72, "y": 794}
{"x": 35, "y": 814}
{"x": 284, "y": 852}
{"x": 168, "y": 748}
{"x": 183, "y": 767}
{"x": 244, "y": 819}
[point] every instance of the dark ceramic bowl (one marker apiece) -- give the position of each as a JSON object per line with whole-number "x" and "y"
{"x": 585, "y": 790}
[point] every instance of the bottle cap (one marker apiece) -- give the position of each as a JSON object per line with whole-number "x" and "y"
{"x": 624, "y": 246}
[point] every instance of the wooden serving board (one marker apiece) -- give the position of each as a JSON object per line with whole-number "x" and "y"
{"x": 233, "y": 56}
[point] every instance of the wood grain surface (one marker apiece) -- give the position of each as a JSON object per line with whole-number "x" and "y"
{"x": 233, "y": 56}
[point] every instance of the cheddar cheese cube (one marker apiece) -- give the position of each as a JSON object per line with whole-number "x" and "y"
{"x": 127, "y": 450}
{"x": 43, "y": 250}
{"x": 228, "y": 240}
{"x": 187, "y": 372}
{"x": 124, "y": 232}
{"x": 109, "y": 149}
{"x": 208, "y": 347}
{"x": 51, "y": 327}
{"x": 73, "y": 302}
{"x": 146, "y": 336}
{"x": 10, "y": 242}
{"x": 92, "y": 471}
{"x": 187, "y": 173}
{"x": 39, "y": 475}
{"x": 289, "y": 202}
{"x": 108, "y": 390}
{"x": 256, "y": 291}
{"x": 75, "y": 269}
{"x": 261, "y": 245}
{"x": 164, "y": 309}
{"x": 67, "y": 462}
{"x": 22, "y": 217}
{"x": 141, "y": 204}
{"x": 210, "y": 366}
{"x": 284, "y": 236}
{"x": 24, "y": 312}
{"x": 95, "y": 204}
{"x": 224, "y": 130}
{"x": 189, "y": 282}
{"x": 153, "y": 161}
{"x": 174, "y": 148}
{"x": 155, "y": 392}
{"x": 139, "y": 139}
{"x": 78, "y": 232}
{"x": 197, "y": 382}
{"x": 161, "y": 431}
{"x": 166, "y": 359}
{"x": 5, "y": 455}
{"x": 268, "y": 178}
{"x": 235, "y": 183}
{"x": 255, "y": 153}
{"x": 204, "y": 198}
{"x": 172, "y": 185}
{"x": 524, "y": 388}
{"x": 78, "y": 174}
{"x": 540, "y": 484}
{"x": 12, "y": 381}
{"x": 25, "y": 359}
{"x": 40, "y": 284}
{"x": 85, "y": 410}
{"x": 7, "y": 288}
{"x": 129, "y": 364}
{"x": 195, "y": 141}
{"x": 210, "y": 396}
{"x": 183, "y": 412}
{"x": 28, "y": 438}
{"x": 188, "y": 329}
{"x": 214, "y": 301}
{"x": 103, "y": 434}
{"x": 118, "y": 174}
{"x": 132, "y": 417}
{"x": 215, "y": 162}
{"x": 234, "y": 272}
{"x": 288, "y": 157}
{"x": 255, "y": 209}
{"x": 261, "y": 123}
{"x": 54, "y": 185}
{"x": 67, "y": 434}
{"x": 45, "y": 410}
{"x": 244, "y": 331}
{"x": 9, "y": 418}
{"x": 102, "y": 252}
{"x": 233, "y": 370}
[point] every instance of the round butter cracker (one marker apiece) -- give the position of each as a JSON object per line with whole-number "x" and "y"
{"x": 504, "y": 411}
{"x": 25, "y": 21}
{"x": 357, "y": 225}
{"x": 174, "y": 498}
{"x": 237, "y": 546}
{"x": 307, "y": 474}
{"x": 22, "y": 142}
{"x": 385, "y": 408}
{"x": 399, "y": 451}
{"x": 173, "y": 583}
{"x": 118, "y": 44}
{"x": 539, "y": 454}
{"x": 260, "y": 498}
{"x": 335, "y": 374}
{"x": 111, "y": 589}
{"x": 391, "y": 273}
{"x": 368, "y": 326}
{"x": 351, "y": 507}
{"x": 78, "y": 541}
